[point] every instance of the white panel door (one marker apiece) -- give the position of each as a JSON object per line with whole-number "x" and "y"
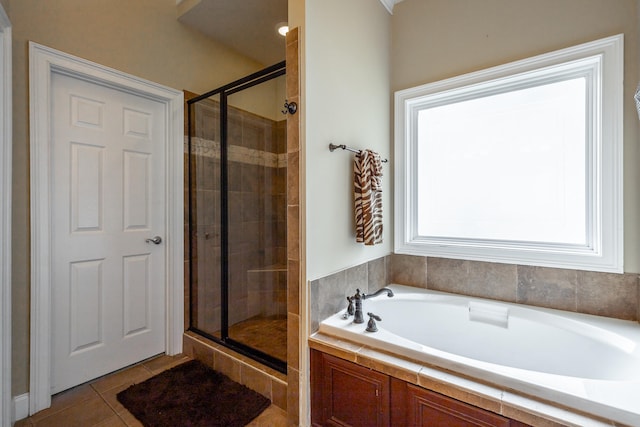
{"x": 108, "y": 301}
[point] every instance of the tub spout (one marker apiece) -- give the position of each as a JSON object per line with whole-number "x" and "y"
{"x": 357, "y": 301}
{"x": 378, "y": 292}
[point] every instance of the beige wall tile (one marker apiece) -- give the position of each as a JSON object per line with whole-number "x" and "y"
{"x": 343, "y": 349}
{"x": 293, "y": 399}
{"x": 279, "y": 393}
{"x": 408, "y": 270}
{"x": 293, "y": 341}
{"x": 485, "y": 397}
{"x": 293, "y": 232}
{"x": 328, "y": 296}
{"x": 357, "y": 278}
{"x": 255, "y": 380}
{"x": 293, "y": 171}
{"x": 198, "y": 350}
{"x": 293, "y": 287}
{"x": 228, "y": 366}
{"x": 389, "y": 364}
{"x": 612, "y": 295}
{"x": 377, "y": 274}
{"x": 547, "y": 287}
{"x": 481, "y": 279}
{"x": 544, "y": 414}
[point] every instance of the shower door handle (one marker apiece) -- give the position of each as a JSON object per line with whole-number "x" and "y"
{"x": 157, "y": 240}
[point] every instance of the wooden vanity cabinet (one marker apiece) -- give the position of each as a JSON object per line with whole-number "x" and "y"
{"x": 416, "y": 406}
{"x": 346, "y": 394}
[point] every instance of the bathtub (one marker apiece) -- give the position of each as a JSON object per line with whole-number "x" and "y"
{"x": 585, "y": 362}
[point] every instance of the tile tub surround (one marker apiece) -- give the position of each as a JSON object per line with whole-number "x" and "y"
{"x": 584, "y": 362}
{"x": 503, "y": 401}
{"x": 602, "y": 294}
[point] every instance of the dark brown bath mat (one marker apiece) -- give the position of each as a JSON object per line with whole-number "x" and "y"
{"x": 192, "y": 395}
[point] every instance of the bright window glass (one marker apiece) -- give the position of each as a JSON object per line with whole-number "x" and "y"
{"x": 509, "y": 166}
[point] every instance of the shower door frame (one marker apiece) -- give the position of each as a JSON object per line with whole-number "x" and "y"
{"x": 247, "y": 82}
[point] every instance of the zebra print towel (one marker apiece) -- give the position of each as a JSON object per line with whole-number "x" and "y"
{"x": 368, "y": 197}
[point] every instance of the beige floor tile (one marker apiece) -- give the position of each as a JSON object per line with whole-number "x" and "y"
{"x": 84, "y": 414}
{"x": 110, "y": 396}
{"x": 65, "y": 400}
{"x": 128, "y": 376}
{"x": 164, "y": 362}
{"x": 96, "y": 404}
{"x": 113, "y": 421}
{"x": 130, "y": 420}
{"x": 271, "y": 417}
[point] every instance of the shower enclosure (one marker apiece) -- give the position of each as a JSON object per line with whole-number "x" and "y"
{"x": 237, "y": 170}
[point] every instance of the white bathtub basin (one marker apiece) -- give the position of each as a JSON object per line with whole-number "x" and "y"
{"x": 586, "y": 362}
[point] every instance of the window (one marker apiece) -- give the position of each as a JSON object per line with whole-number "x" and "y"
{"x": 520, "y": 163}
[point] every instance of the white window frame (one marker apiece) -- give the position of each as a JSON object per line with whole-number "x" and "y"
{"x": 602, "y": 62}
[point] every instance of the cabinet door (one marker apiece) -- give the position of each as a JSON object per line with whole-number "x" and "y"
{"x": 427, "y": 408}
{"x": 351, "y": 395}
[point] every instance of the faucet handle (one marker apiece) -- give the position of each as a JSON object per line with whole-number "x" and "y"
{"x": 350, "y": 309}
{"x": 371, "y": 325}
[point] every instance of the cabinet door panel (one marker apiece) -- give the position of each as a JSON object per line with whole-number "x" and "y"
{"x": 353, "y": 395}
{"x": 426, "y": 408}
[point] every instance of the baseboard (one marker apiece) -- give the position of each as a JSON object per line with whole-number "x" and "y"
{"x": 21, "y": 407}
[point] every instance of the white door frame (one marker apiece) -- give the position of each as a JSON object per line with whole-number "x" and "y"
{"x": 43, "y": 63}
{"x": 6, "y": 402}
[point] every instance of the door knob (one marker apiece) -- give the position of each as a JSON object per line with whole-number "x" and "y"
{"x": 157, "y": 240}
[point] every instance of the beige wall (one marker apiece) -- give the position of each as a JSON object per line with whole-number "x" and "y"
{"x": 346, "y": 48}
{"x": 139, "y": 37}
{"x": 437, "y": 39}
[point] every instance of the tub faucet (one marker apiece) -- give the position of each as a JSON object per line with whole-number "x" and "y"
{"x": 357, "y": 301}
{"x": 378, "y": 292}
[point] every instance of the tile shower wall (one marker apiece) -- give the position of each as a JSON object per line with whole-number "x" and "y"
{"x": 294, "y": 214}
{"x": 603, "y": 294}
{"x": 257, "y": 216}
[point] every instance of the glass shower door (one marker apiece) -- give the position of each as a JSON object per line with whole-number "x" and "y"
{"x": 205, "y": 216}
{"x": 237, "y": 216}
{"x": 256, "y": 135}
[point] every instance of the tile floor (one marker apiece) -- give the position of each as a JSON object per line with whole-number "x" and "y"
{"x": 265, "y": 333}
{"x": 95, "y": 404}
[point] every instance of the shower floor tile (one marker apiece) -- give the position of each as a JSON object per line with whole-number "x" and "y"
{"x": 265, "y": 333}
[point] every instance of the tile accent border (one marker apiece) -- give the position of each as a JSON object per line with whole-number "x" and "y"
{"x": 500, "y": 400}
{"x": 250, "y": 156}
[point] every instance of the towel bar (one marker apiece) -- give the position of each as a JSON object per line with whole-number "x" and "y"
{"x": 333, "y": 147}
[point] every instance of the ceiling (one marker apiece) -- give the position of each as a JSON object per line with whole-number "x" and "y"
{"x": 246, "y": 26}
